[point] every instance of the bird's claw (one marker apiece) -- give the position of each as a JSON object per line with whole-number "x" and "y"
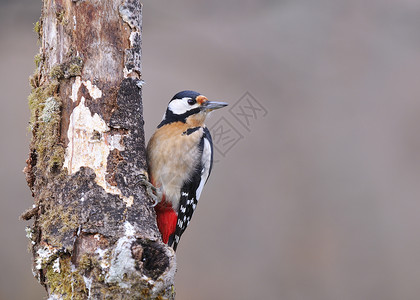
{"x": 151, "y": 190}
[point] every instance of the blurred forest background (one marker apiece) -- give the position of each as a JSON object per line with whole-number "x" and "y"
{"x": 315, "y": 193}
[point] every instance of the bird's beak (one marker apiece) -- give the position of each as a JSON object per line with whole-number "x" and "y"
{"x": 212, "y": 105}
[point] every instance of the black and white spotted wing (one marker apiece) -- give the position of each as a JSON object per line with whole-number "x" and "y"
{"x": 191, "y": 191}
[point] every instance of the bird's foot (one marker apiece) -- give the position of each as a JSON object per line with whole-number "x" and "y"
{"x": 151, "y": 190}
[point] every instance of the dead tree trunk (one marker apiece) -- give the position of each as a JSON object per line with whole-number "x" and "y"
{"x": 94, "y": 234}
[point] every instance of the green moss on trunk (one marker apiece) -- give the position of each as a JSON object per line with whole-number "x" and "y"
{"x": 65, "y": 280}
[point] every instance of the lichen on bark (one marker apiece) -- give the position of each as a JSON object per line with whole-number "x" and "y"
{"x": 94, "y": 233}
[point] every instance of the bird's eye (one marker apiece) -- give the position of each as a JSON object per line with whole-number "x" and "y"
{"x": 191, "y": 101}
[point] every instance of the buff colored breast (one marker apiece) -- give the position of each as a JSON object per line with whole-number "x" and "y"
{"x": 173, "y": 158}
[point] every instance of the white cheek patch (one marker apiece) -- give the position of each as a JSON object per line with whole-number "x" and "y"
{"x": 181, "y": 106}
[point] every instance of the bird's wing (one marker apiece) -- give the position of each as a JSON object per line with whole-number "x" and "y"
{"x": 191, "y": 190}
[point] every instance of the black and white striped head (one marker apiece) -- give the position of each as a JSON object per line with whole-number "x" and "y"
{"x": 189, "y": 105}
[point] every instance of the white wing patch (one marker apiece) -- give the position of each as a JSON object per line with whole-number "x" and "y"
{"x": 206, "y": 161}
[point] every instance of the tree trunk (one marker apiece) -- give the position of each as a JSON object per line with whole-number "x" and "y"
{"x": 94, "y": 234}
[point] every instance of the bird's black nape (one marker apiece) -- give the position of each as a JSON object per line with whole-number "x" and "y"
{"x": 186, "y": 94}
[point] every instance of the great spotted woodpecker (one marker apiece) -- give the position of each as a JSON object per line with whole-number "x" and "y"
{"x": 180, "y": 158}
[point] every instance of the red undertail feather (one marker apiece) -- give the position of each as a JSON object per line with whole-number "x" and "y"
{"x": 166, "y": 219}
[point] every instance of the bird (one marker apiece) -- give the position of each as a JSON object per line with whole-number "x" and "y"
{"x": 180, "y": 160}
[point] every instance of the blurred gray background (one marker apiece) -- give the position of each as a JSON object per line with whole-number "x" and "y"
{"x": 317, "y": 196}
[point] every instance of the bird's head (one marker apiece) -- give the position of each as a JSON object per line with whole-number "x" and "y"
{"x": 189, "y": 107}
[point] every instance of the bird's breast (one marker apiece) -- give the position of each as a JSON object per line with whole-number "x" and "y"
{"x": 172, "y": 158}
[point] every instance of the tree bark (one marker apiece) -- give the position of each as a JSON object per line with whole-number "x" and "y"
{"x": 94, "y": 234}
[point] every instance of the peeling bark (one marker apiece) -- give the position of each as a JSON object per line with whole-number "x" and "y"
{"x": 94, "y": 234}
